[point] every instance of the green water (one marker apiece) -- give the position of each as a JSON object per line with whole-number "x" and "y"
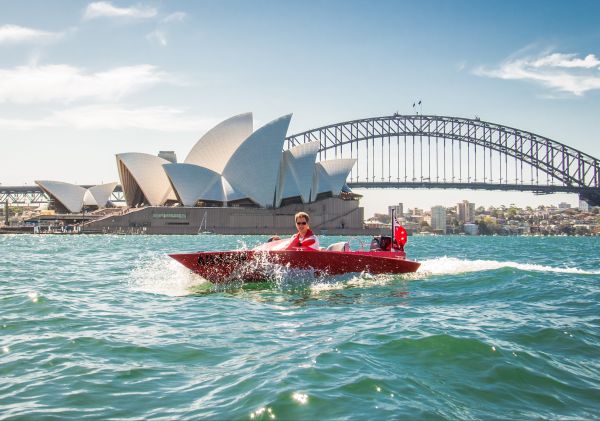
{"x": 108, "y": 327}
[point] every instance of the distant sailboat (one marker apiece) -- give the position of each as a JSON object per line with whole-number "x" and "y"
{"x": 203, "y": 229}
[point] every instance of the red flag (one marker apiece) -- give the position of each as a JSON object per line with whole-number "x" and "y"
{"x": 400, "y": 234}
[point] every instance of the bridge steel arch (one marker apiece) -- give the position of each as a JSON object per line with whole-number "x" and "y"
{"x": 428, "y": 151}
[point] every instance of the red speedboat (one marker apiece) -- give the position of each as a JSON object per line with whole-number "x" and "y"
{"x": 386, "y": 255}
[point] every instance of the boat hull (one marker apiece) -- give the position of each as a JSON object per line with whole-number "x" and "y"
{"x": 257, "y": 266}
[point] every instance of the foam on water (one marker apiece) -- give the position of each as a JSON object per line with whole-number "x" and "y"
{"x": 452, "y": 265}
{"x": 440, "y": 266}
{"x": 361, "y": 280}
{"x": 163, "y": 275}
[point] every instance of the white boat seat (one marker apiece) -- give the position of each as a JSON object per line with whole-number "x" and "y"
{"x": 341, "y": 246}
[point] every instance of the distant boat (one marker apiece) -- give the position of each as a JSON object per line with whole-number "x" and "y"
{"x": 203, "y": 228}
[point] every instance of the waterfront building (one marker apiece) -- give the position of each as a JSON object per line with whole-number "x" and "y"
{"x": 584, "y": 206}
{"x": 465, "y": 212}
{"x": 438, "y": 219}
{"x": 332, "y": 215}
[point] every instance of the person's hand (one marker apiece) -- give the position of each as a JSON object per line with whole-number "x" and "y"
{"x": 273, "y": 238}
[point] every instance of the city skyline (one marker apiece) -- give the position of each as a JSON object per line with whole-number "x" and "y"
{"x": 93, "y": 79}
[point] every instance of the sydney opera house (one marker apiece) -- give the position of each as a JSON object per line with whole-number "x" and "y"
{"x": 234, "y": 180}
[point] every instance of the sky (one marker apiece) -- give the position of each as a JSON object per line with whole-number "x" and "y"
{"x": 81, "y": 81}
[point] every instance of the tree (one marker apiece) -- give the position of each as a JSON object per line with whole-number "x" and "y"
{"x": 487, "y": 226}
{"x": 425, "y": 226}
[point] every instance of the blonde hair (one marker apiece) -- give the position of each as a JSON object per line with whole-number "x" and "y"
{"x": 301, "y": 215}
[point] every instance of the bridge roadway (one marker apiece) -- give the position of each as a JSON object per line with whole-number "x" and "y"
{"x": 535, "y": 188}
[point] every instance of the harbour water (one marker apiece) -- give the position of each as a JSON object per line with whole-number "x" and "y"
{"x": 108, "y": 327}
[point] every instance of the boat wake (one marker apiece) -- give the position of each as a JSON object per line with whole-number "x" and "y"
{"x": 163, "y": 275}
{"x": 452, "y": 265}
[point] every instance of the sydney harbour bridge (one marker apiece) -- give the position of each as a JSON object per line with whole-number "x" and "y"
{"x": 427, "y": 151}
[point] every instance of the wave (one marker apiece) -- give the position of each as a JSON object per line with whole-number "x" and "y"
{"x": 452, "y": 265}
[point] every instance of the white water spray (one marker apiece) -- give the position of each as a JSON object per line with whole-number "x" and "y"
{"x": 163, "y": 275}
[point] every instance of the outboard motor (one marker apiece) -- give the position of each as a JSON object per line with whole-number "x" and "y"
{"x": 381, "y": 243}
{"x": 385, "y": 242}
{"x": 375, "y": 244}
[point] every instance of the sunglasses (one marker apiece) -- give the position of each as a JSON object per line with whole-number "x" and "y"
{"x": 300, "y": 223}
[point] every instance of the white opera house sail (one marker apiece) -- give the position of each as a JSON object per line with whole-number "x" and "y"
{"x": 232, "y": 165}
{"x": 72, "y": 198}
{"x": 296, "y": 172}
{"x": 143, "y": 179}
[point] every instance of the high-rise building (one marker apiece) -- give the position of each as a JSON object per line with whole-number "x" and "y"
{"x": 398, "y": 208}
{"x": 465, "y": 212}
{"x": 564, "y": 205}
{"x": 584, "y": 206}
{"x": 438, "y": 219}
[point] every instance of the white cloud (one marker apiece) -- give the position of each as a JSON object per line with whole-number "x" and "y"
{"x": 13, "y": 34}
{"x": 64, "y": 83}
{"x": 115, "y": 117}
{"x": 103, "y": 9}
{"x": 560, "y": 72}
{"x": 159, "y": 37}
{"x": 175, "y": 17}
{"x": 568, "y": 61}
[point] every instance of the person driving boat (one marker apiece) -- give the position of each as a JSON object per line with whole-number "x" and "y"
{"x": 304, "y": 238}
